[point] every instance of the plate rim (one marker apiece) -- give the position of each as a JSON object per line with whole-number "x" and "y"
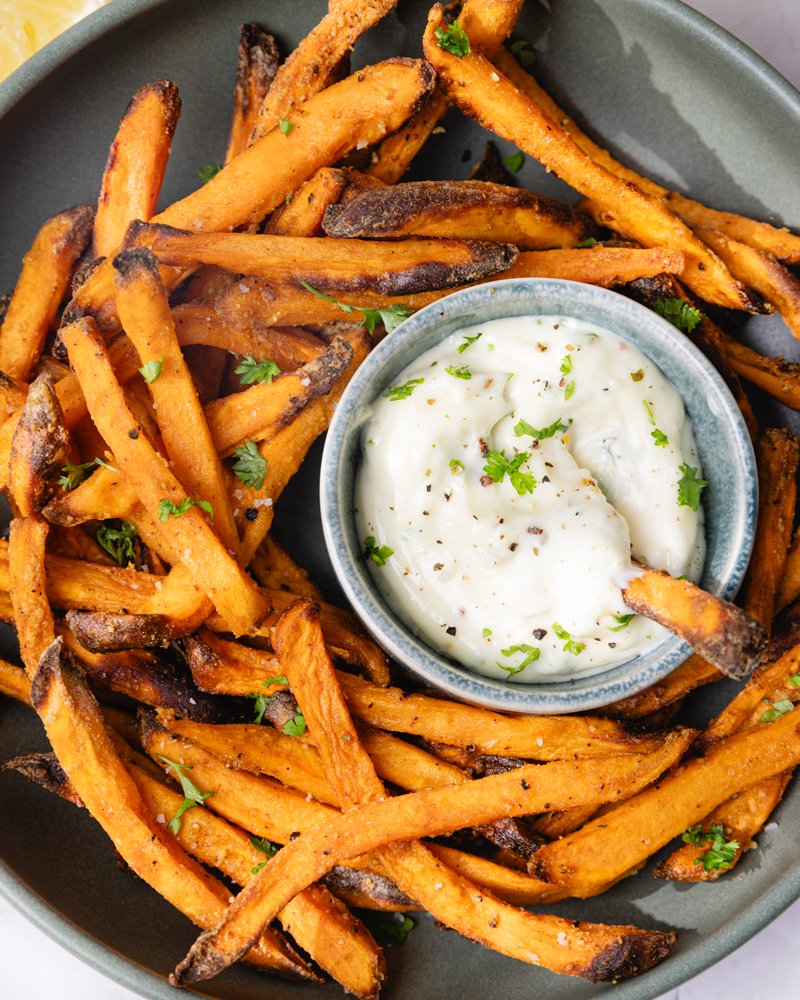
{"x": 126, "y": 971}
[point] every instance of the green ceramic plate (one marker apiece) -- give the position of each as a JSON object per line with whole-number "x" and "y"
{"x": 672, "y": 93}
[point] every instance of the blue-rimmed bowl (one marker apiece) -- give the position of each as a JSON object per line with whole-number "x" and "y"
{"x": 730, "y": 501}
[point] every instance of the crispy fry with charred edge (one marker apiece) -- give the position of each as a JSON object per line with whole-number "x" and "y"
{"x": 46, "y": 272}
{"x": 304, "y": 211}
{"x": 334, "y": 265}
{"x": 779, "y": 242}
{"x": 318, "y": 922}
{"x": 28, "y": 586}
{"x": 329, "y": 125}
{"x": 87, "y": 754}
{"x": 692, "y": 674}
{"x": 274, "y": 568}
{"x": 752, "y": 700}
{"x": 595, "y": 951}
{"x": 230, "y": 668}
{"x": 204, "y": 556}
{"x": 601, "y": 265}
{"x": 262, "y": 410}
{"x": 617, "y": 844}
{"x": 741, "y": 818}
{"x": 136, "y": 164}
{"x": 258, "y": 61}
{"x": 719, "y": 631}
{"x": 144, "y": 312}
{"x": 288, "y": 347}
{"x": 778, "y": 455}
{"x": 760, "y": 271}
{"x": 305, "y": 71}
{"x": 776, "y": 376}
{"x": 501, "y": 107}
{"x": 38, "y": 449}
{"x": 487, "y": 23}
{"x": 472, "y": 210}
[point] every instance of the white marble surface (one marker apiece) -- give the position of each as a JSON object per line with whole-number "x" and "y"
{"x": 34, "y": 968}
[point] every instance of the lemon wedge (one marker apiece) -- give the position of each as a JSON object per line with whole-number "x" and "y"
{"x": 27, "y": 25}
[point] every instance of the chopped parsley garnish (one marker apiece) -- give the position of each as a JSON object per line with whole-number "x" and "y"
{"x": 566, "y": 369}
{"x": 794, "y": 680}
{"x": 657, "y": 435}
{"x": 391, "y": 316}
{"x": 459, "y": 371}
{"x": 456, "y": 465}
{"x": 497, "y": 465}
{"x": 208, "y": 171}
{"x": 296, "y": 726}
{"x": 73, "y": 475}
{"x": 523, "y": 52}
{"x": 265, "y": 847}
{"x": 453, "y": 39}
{"x": 623, "y": 621}
{"x": 587, "y": 244}
{"x": 638, "y": 375}
{"x": 569, "y": 390}
{"x": 285, "y": 126}
{"x": 530, "y": 655}
{"x": 486, "y": 633}
{"x": 192, "y": 794}
{"x": 689, "y": 486}
{"x": 722, "y": 852}
{"x": 118, "y": 539}
{"x": 249, "y": 370}
{"x": 777, "y": 709}
{"x": 260, "y": 702}
{"x": 167, "y": 508}
{"x": 523, "y": 428}
{"x": 679, "y": 313}
{"x": 377, "y": 553}
{"x": 396, "y": 392}
{"x": 150, "y": 370}
{"x": 570, "y": 645}
{"x": 250, "y": 466}
{"x": 514, "y": 161}
{"x": 467, "y": 341}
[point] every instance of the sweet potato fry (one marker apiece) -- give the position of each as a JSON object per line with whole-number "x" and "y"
{"x": 102, "y": 496}
{"x": 202, "y": 552}
{"x": 332, "y": 265}
{"x": 606, "y": 266}
{"x": 617, "y": 844}
{"x": 482, "y": 918}
{"x": 776, "y": 376}
{"x": 145, "y": 316}
{"x": 719, "y": 631}
{"x": 361, "y": 108}
{"x": 760, "y": 235}
{"x": 262, "y": 410}
{"x": 789, "y": 588}
{"x": 27, "y": 584}
{"x": 258, "y": 61}
{"x": 741, "y": 817}
{"x": 304, "y": 211}
{"x": 87, "y": 754}
{"x": 692, "y": 674}
{"x": 136, "y": 164}
{"x": 14, "y": 682}
{"x": 46, "y": 272}
{"x": 472, "y": 210}
{"x": 501, "y": 107}
{"x": 274, "y": 568}
{"x": 38, "y": 449}
{"x": 778, "y": 457}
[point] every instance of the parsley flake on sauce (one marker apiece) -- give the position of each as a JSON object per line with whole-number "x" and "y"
{"x": 623, "y": 621}
{"x": 657, "y": 435}
{"x": 467, "y": 342}
{"x": 689, "y": 487}
{"x": 459, "y": 371}
{"x": 530, "y": 654}
{"x": 377, "y": 553}
{"x": 570, "y": 645}
{"x": 397, "y": 392}
{"x": 523, "y": 428}
{"x": 497, "y": 466}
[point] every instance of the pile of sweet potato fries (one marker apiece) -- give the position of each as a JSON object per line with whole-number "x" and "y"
{"x": 163, "y": 377}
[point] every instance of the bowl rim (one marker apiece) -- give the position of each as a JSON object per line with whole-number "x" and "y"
{"x": 561, "y": 695}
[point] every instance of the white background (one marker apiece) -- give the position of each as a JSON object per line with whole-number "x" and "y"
{"x": 34, "y": 968}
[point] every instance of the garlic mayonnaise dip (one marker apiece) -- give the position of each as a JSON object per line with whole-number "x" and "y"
{"x": 515, "y": 471}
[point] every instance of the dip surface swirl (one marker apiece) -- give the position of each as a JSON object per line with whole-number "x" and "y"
{"x": 516, "y": 471}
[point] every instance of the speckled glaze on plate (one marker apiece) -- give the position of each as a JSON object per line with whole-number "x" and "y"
{"x": 730, "y": 501}
{"x": 661, "y": 86}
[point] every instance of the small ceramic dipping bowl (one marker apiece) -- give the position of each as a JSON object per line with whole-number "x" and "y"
{"x": 730, "y": 500}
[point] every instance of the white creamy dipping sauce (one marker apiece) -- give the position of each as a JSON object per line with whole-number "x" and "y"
{"x": 517, "y": 472}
